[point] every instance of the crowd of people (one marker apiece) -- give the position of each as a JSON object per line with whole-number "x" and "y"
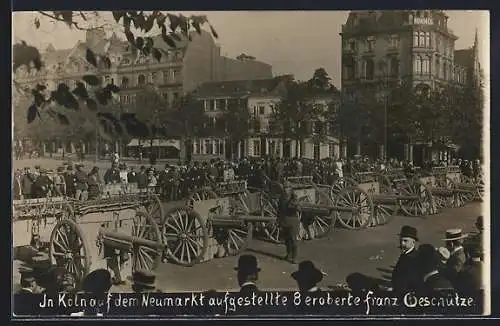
{"x": 424, "y": 269}
{"x": 176, "y": 181}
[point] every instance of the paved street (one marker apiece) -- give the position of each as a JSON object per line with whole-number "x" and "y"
{"x": 341, "y": 253}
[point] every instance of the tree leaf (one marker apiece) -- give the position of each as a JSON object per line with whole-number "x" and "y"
{"x": 130, "y": 37}
{"x": 146, "y": 51}
{"x": 32, "y": 113}
{"x": 175, "y": 21}
{"x": 91, "y": 104}
{"x": 91, "y": 57}
{"x": 148, "y": 25}
{"x": 67, "y": 17}
{"x": 149, "y": 43}
{"x": 38, "y": 63}
{"x": 117, "y": 15}
{"x": 170, "y": 42}
{"x": 62, "y": 119}
{"x": 37, "y": 23}
{"x": 157, "y": 54}
{"x": 212, "y": 30}
{"x": 40, "y": 87}
{"x": 92, "y": 80}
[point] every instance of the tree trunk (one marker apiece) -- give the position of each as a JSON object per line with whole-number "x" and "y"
{"x": 296, "y": 148}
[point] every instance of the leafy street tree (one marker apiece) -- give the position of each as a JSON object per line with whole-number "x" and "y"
{"x": 90, "y": 93}
{"x": 237, "y": 120}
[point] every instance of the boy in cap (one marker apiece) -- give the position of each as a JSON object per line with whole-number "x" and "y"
{"x": 247, "y": 273}
{"x": 404, "y": 276}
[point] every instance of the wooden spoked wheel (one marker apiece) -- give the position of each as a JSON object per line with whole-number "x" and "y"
{"x": 272, "y": 229}
{"x": 69, "y": 249}
{"x": 444, "y": 201}
{"x": 322, "y": 224}
{"x": 385, "y": 183}
{"x": 356, "y": 208}
{"x": 340, "y": 184}
{"x": 234, "y": 239}
{"x": 186, "y": 236}
{"x": 146, "y": 257}
{"x": 199, "y": 195}
{"x": 474, "y": 193}
{"x": 154, "y": 207}
{"x": 383, "y": 214}
{"x": 420, "y": 204}
{"x": 58, "y": 209}
{"x": 480, "y": 189}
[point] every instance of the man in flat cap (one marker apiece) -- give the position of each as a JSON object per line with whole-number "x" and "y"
{"x": 248, "y": 273}
{"x": 405, "y": 276}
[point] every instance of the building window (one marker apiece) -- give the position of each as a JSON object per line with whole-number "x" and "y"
{"x": 438, "y": 68}
{"x": 394, "y": 42}
{"x": 370, "y": 44}
{"x": 124, "y": 82}
{"x": 422, "y": 65}
{"x": 153, "y": 77}
{"x": 444, "y": 74}
{"x": 165, "y": 96}
{"x": 197, "y": 147}
{"x": 415, "y": 39}
{"x": 369, "y": 69}
{"x": 417, "y": 65}
{"x": 428, "y": 40}
{"x": 262, "y": 110}
{"x": 331, "y": 149}
{"x": 221, "y": 104}
{"x": 422, "y": 39}
{"x": 166, "y": 76}
{"x": 394, "y": 66}
{"x": 141, "y": 80}
{"x": 256, "y": 147}
{"x": 216, "y": 146}
{"x": 176, "y": 74}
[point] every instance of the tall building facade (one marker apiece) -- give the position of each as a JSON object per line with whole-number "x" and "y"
{"x": 385, "y": 48}
{"x": 181, "y": 69}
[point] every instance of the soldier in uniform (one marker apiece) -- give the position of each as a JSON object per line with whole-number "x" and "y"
{"x": 59, "y": 182}
{"x": 173, "y": 181}
{"x": 42, "y": 184}
{"x": 18, "y": 194}
{"x": 81, "y": 186}
{"x": 132, "y": 175}
{"x": 70, "y": 180}
{"x": 142, "y": 178}
{"x": 288, "y": 220}
{"x": 27, "y": 183}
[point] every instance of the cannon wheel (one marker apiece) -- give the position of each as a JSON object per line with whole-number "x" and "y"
{"x": 385, "y": 183}
{"x": 154, "y": 207}
{"x": 236, "y": 239}
{"x": 185, "y": 235}
{"x": 416, "y": 207}
{"x": 480, "y": 189}
{"x": 362, "y": 204}
{"x": 69, "y": 249}
{"x": 201, "y": 194}
{"x": 383, "y": 214}
{"x": 272, "y": 229}
{"x": 340, "y": 184}
{"x": 144, "y": 257}
{"x": 323, "y": 224}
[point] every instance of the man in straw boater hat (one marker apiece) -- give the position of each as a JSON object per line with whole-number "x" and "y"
{"x": 405, "y": 277}
{"x": 454, "y": 239}
{"x": 247, "y": 273}
{"x": 289, "y": 221}
{"x": 144, "y": 281}
{"x": 308, "y": 276}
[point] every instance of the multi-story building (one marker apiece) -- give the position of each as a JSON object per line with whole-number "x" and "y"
{"x": 180, "y": 70}
{"x": 258, "y": 97}
{"x": 382, "y": 48}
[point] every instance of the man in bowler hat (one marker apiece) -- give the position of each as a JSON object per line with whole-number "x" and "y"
{"x": 289, "y": 221}
{"x": 405, "y": 277}
{"x": 143, "y": 281}
{"x": 308, "y": 276}
{"x": 248, "y": 273}
{"x": 454, "y": 243}
{"x": 428, "y": 260}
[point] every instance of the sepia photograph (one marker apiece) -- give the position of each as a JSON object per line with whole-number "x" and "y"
{"x": 250, "y": 163}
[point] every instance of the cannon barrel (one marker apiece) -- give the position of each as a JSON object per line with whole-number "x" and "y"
{"x": 236, "y": 220}
{"x": 121, "y": 239}
{"x": 323, "y": 209}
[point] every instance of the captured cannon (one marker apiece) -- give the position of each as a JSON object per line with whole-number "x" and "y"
{"x": 212, "y": 224}
{"x": 412, "y": 197}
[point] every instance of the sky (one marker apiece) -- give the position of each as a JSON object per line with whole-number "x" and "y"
{"x": 293, "y": 42}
